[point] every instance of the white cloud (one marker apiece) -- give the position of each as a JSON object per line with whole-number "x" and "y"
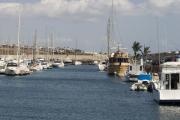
{"x": 161, "y": 7}
{"x": 9, "y": 8}
{"x": 57, "y": 8}
{"x": 163, "y": 3}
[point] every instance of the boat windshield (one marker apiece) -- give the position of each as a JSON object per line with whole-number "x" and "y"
{"x": 172, "y": 81}
{"x": 11, "y": 65}
{"x": 125, "y": 60}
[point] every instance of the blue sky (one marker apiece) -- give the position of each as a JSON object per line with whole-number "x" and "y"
{"x": 86, "y": 22}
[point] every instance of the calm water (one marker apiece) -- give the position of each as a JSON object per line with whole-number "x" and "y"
{"x": 76, "y": 93}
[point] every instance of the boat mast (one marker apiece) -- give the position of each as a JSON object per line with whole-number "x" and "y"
{"x": 157, "y": 27}
{"x": 34, "y": 46}
{"x": 47, "y": 53}
{"x": 108, "y": 37}
{"x": 52, "y": 45}
{"x": 75, "y": 50}
{"x": 110, "y": 28}
{"x": 18, "y": 37}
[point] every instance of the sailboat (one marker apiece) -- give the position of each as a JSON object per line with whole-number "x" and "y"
{"x": 76, "y": 62}
{"x": 118, "y": 61}
{"x": 35, "y": 66}
{"x": 56, "y": 62}
{"x": 2, "y": 66}
{"x": 17, "y": 67}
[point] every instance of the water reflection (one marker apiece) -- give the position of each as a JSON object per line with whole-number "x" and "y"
{"x": 169, "y": 112}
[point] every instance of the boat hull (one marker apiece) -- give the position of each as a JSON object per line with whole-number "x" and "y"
{"x": 167, "y": 96}
{"x": 132, "y": 78}
{"x": 102, "y": 67}
{"x": 118, "y": 69}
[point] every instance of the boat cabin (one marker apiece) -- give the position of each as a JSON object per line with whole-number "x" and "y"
{"x": 119, "y": 57}
{"x": 11, "y": 64}
{"x": 135, "y": 68}
{"x": 118, "y": 60}
{"x": 170, "y": 76}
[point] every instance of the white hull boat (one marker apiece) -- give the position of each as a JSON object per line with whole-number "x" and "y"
{"x": 2, "y": 67}
{"x": 145, "y": 82}
{"x": 36, "y": 67}
{"x": 68, "y": 61}
{"x": 102, "y": 66}
{"x": 15, "y": 69}
{"x": 169, "y": 90}
{"x": 133, "y": 72}
{"x": 77, "y": 63}
{"x": 58, "y": 64}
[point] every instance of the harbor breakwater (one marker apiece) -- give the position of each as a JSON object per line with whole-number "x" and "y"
{"x": 90, "y": 57}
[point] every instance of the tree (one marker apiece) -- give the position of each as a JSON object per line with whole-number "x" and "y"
{"x": 136, "y": 48}
{"x": 145, "y": 52}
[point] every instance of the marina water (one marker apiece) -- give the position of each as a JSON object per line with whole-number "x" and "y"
{"x": 77, "y": 93}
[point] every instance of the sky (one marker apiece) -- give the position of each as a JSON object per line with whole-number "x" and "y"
{"x": 153, "y": 23}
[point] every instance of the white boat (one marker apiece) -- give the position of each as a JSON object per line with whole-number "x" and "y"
{"x": 61, "y": 64}
{"x": 140, "y": 86}
{"x": 102, "y": 66}
{"x": 77, "y": 62}
{"x": 58, "y": 64}
{"x": 133, "y": 72}
{"x": 44, "y": 65}
{"x": 2, "y": 66}
{"x": 36, "y": 67}
{"x": 95, "y": 62}
{"x": 169, "y": 90}
{"x": 49, "y": 65}
{"x": 144, "y": 80}
{"x": 14, "y": 69}
{"x": 68, "y": 61}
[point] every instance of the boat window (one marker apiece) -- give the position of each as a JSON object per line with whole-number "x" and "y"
{"x": 126, "y": 60}
{"x": 130, "y": 67}
{"x": 167, "y": 81}
{"x": 11, "y": 65}
{"x": 119, "y": 60}
{"x": 2, "y": 67}
{"x": 174, "y": 81}
{"x": 111, "y": 60}
{"x": 141, "y": 68}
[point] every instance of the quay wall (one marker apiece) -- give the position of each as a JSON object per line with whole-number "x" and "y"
{"x": 93, "y": 57}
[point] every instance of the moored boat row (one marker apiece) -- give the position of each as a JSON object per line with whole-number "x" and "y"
{"x": 27, "y": 66}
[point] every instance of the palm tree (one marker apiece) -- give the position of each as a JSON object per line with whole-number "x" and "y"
{"x": 136, "y": 48}
{"x": 145, "y": 52}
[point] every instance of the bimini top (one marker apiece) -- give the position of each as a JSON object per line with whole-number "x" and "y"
{"x": 144, "y": 77}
